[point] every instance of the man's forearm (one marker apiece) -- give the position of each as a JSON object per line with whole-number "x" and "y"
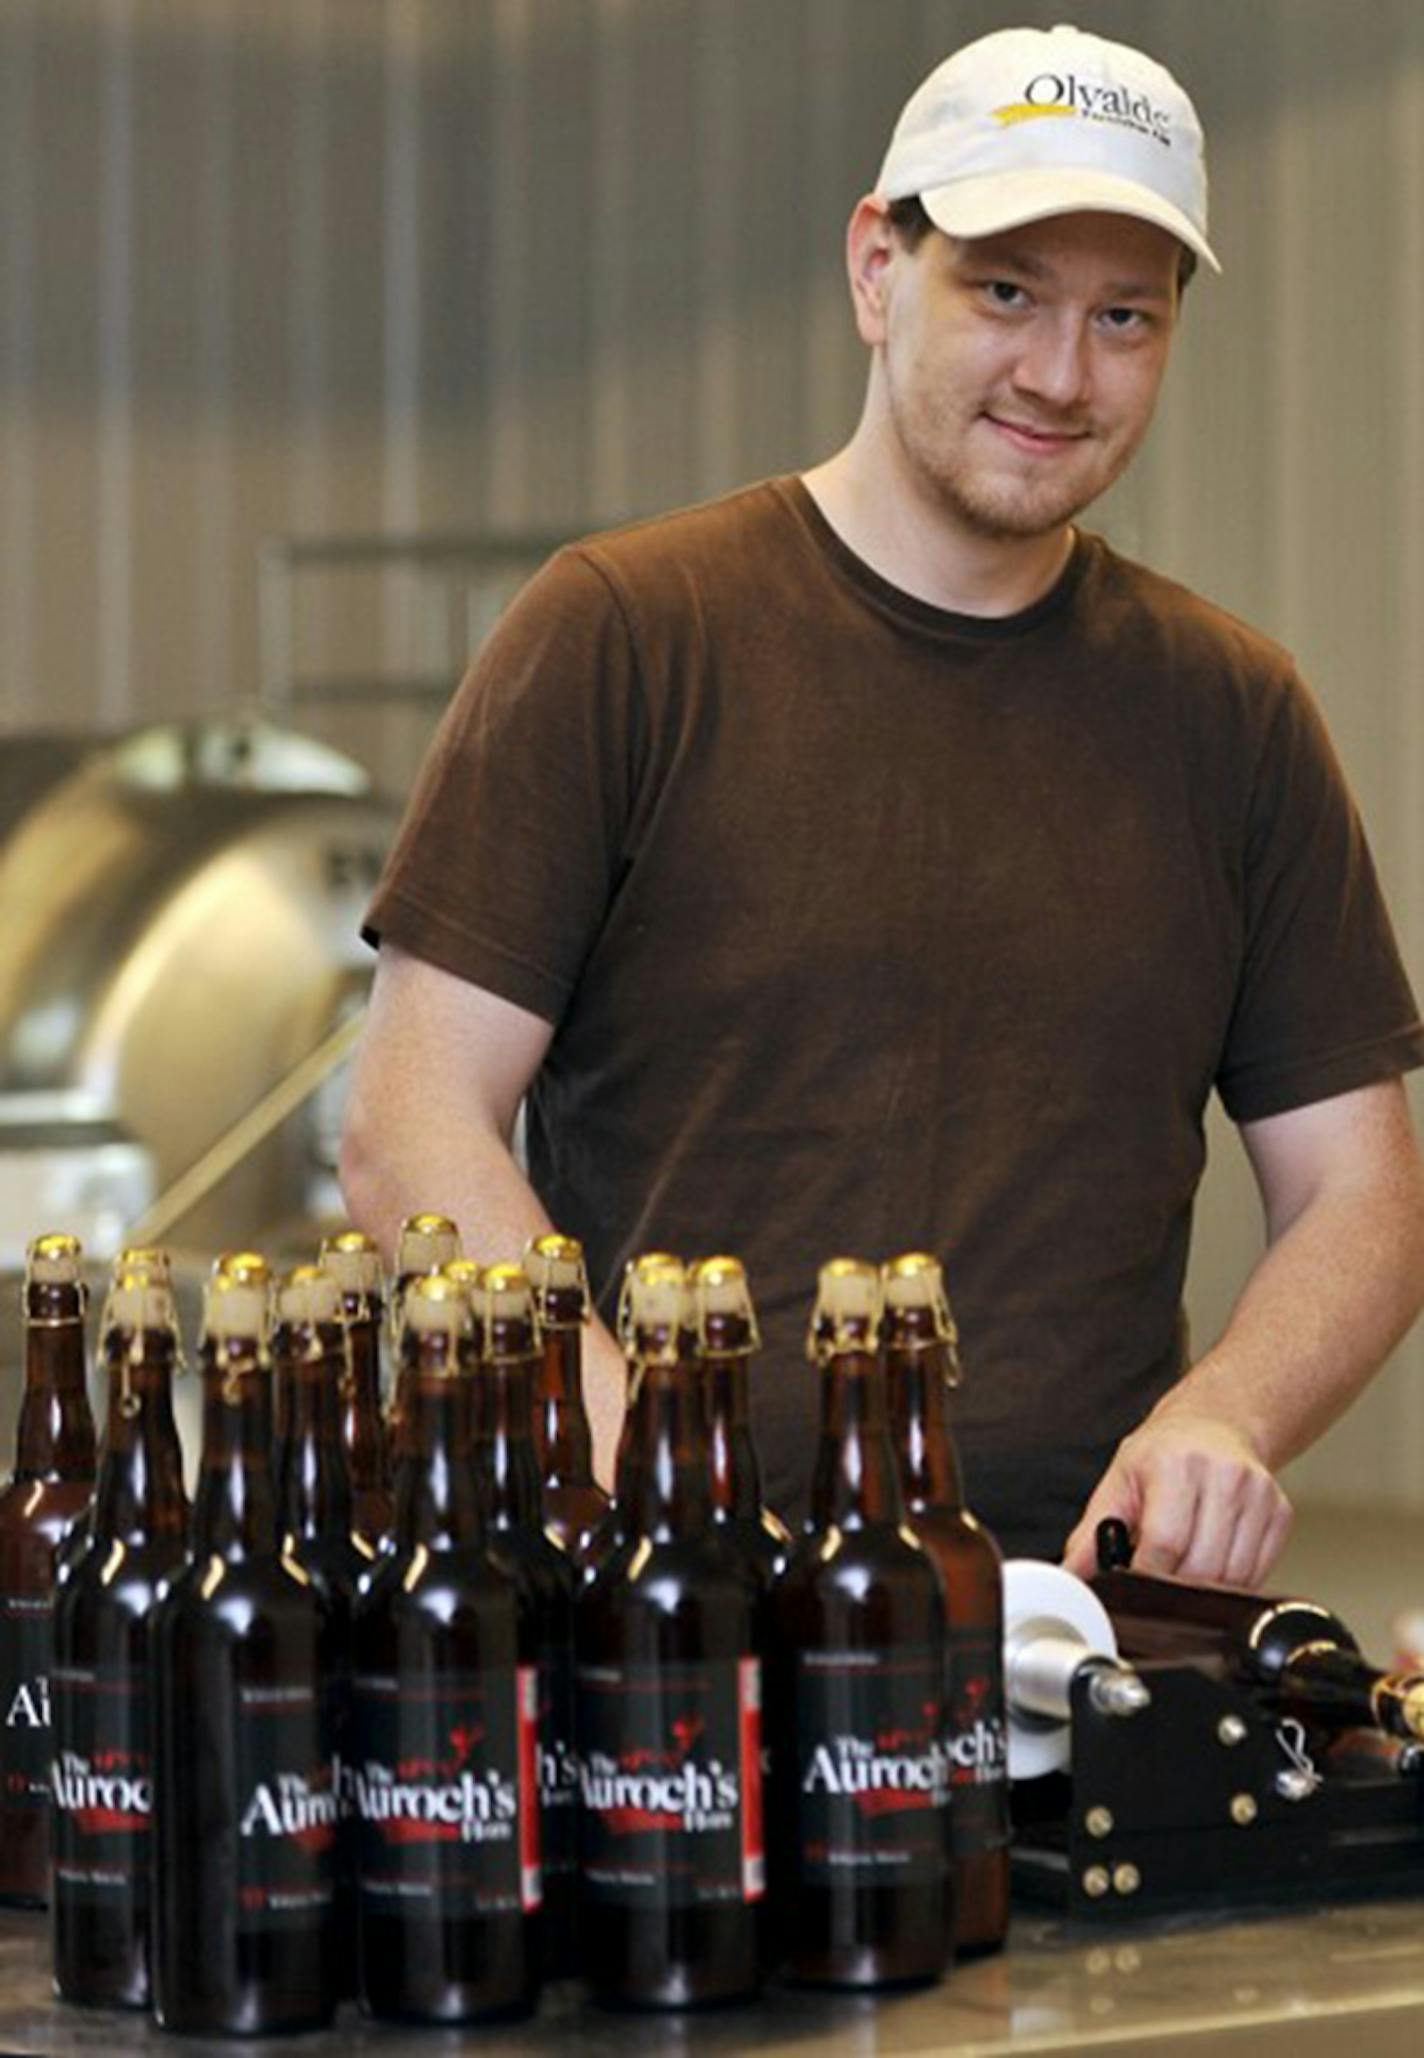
{"x": 473, "y": 1177}
{"x": 1324, "y": 1307}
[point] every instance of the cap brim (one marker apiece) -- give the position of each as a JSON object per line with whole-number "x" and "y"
{"x": 995, "y": 201}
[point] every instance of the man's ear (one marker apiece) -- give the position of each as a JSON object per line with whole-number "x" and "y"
{"x": 871, "y": 250}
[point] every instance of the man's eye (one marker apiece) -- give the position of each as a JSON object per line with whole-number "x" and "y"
{"x": 1124, "y": 320}
{"x": 1004, "y": 293}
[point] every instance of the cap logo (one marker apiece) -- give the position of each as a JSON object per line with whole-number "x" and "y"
{"x": 1054, "y": 93}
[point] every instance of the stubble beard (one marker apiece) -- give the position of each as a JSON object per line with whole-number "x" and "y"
{"x": 993, "y": 509}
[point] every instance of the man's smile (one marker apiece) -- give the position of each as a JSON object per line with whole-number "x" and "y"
{"x": 1039, "y": 442}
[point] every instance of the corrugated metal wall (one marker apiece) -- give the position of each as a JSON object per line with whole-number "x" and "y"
{"x": 304, "y": 266}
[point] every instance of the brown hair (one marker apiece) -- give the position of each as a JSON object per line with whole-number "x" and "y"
{"x": 911, "y": 224}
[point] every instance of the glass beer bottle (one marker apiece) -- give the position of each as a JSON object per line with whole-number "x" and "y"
{"x": 574, "y": 1502}
{"x": 245, "y": 1808}
{"x": 922, "y": 1366}
{"x": 426, "y": 1244}
{"x": 668, "y": 1637}
{"x": 860, "y": 1779}
{"x": 724, "y": 1337}
{"x": 99, "y": 1682}
{"x": 445, "y": 1713}
{"x": 47, "y": 1494}
{"x": 508, "y": 1472}
{"x": 354, "y": 1262}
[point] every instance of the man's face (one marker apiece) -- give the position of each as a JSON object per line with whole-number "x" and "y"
{"x": 1022, "y": 369}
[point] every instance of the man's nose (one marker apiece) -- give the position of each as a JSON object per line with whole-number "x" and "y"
{"x": 1053, "y": 363}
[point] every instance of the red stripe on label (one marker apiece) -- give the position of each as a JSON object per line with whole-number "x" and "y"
{"x": 753, "y": 1843}
{"x": 531, "y": 1884}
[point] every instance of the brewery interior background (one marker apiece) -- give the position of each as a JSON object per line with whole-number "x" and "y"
{"x": 320, "y": 318}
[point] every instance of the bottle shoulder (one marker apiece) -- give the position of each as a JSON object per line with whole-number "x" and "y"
{"x": 856, "y": 1564}
{"x": 113, "y": 1579}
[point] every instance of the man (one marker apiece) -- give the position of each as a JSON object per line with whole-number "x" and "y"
{"x": 873, "y": 860}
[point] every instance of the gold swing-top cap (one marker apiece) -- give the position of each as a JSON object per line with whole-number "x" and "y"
{"x": 436, "y": 1305}
{"x": 916, "y": 1280}
{"x": 248, "y": 1268}
{"x": 656, "y": 1294}
{"x": 555, "y": 1264}
{"x": 848, "y": 1307}
{"x": 719, "y": 1286}
{"x": 138, "y": 1299}
{"x": 509, "y": 1294}
{"x": 53, "y": 1259}
{"x": 354, "y": 1261}
{"x": 235, "y": 1307}
{"x": 143, "y": 1257}
{"x": 426, "y": 1243}
{"x": 467, "y": 1273}
{"x": 309, "y": 1294}
{"x": 643, "y": 1266}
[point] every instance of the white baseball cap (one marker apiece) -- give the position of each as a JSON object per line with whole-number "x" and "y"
{"x": 1027, "y": 123}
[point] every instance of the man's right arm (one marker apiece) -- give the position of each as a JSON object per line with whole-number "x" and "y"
{"x": 439, "y": 1076}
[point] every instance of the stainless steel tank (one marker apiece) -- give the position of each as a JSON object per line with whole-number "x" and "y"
{"x": 179, "y": 916}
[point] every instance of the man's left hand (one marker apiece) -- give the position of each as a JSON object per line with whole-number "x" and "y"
{"x": 1197, "y": 1498}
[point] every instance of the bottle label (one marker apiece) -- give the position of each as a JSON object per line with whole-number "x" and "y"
{"x": 103, "y": 1790}
{"x": 977, "y": 1743}
{"x": 670, "y": 1779}
{"x": 24, "y": 1699}
{"x": 288, "y": 1805}
{"x": 872, "y": 1772}
{"x": 446, "y": 1783}
{"x": 558, "y": 1763}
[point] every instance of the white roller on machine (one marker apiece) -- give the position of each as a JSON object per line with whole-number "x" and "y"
{"x": 1055, "y": 1628}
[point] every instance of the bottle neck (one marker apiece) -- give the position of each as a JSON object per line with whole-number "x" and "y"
{"x": 314, "y": 1490}
{"x": 1336, "y": 1688}
{"x": 855, "y": 1479}
{"x": 139, "y": 1495}
{"x": 55, "y": 1435}
{"x": 235, "y": 1507}
{"x": 437, "y": 1498}
{"x": 509, "y": 1466}
{"x": 917, "y": 1375}
{"x": 361, "y": 1428}
{"x": 563, "y": 1438}
{"x": 670, "y": 1479}
{"x": 736, "y": 1475}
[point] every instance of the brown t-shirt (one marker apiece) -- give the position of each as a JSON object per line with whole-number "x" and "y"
{"x": 868, "y": 927}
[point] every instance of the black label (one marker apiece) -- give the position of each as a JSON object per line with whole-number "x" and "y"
{"x": 103, "y": 1791}
{"x": 24, "y": 1699}
{"x": 446, "y": 1786}
{"x": 977, "y": 1743}
{"x": 288, "y": 1807}
{"x": 872, "y": 1772}
{"x": 558, "y": 1763}
{"x": 670, "y": 1779}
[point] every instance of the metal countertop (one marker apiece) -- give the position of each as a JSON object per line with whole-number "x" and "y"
{"x": 1317, "y": 1981}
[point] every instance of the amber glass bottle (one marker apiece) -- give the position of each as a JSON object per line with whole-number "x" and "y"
{"x": 669, "y": 1638}
{"x": 99, "y": 1685}
{"x": 354, "y": 1262}
{"x": 508, "y": 1471}
{"x": 445, "y": 1717}
{"x": 724, "y": 1338}
{"x": 574, "y": 1502}
{"x": 426, "y": 1244}
{"x": 922, "y": 1367}
{"x": 48, "y": 1492}
{"x": 614, "y": 1526}
{"x": 862, "y": 1876}
{"x": 246, "y": 1812}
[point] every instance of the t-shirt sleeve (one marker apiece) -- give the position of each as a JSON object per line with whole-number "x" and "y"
{"x": 1323, "y": 1003}
{"x": 514, "y": 839}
